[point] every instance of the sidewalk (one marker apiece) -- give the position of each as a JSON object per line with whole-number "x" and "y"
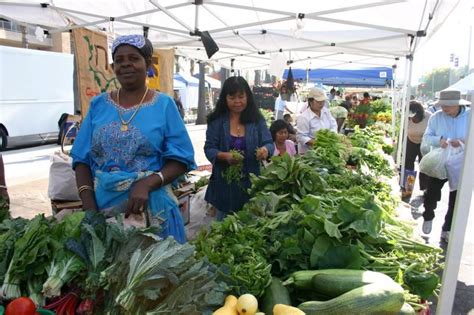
{"x": 463, "y": 300}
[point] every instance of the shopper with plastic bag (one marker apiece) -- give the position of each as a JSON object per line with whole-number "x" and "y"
{"x": 446, "y": 128}
{"x": 417, "y": 123}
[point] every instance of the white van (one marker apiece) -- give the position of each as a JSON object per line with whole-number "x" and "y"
{"x": 36, "y": 87}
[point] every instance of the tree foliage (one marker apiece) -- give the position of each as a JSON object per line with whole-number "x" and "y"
{"x": 439, "y": 79}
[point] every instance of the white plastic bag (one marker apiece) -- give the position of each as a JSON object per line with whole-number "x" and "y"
{"x": 62, "y": 179}
{"x": 433, "y": 164}
{"x": 425, "y": 148}
{"x": 454, "y": 164}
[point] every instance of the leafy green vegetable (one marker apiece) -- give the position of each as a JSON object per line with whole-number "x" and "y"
{"x": 233, "y": 173}
{"x": 31, "y": 255}
{"x": 4, "y": 210}
{"x": 64, "y": 265}
{"x": 153, "y": 271}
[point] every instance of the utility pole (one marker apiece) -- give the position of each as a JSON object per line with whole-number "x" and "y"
{"x": 432, "y": 82}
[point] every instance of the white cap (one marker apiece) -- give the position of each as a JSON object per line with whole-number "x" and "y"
{"x": 317, "y": 94}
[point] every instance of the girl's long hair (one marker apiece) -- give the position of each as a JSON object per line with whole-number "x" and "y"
{"x": 418, "y": 109}
{"x": 232, "y": 86}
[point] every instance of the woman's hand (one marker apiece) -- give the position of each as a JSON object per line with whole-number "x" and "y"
{"x": 88, "y": 200}
{"x": 261, "y": 154}
{"x": 230, "y": 158}
{"x": 443, "y": 143}
{"x": 455, "y": 143}
{"x": 138, "y": 198}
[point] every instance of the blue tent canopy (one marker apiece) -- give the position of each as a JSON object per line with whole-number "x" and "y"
{"x": 186, "y": 79}
{"x": 379, "y": 76}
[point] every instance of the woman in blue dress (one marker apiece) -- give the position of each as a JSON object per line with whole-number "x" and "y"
{"x": 132, "y": 144}
{"x": 235, "y": 124}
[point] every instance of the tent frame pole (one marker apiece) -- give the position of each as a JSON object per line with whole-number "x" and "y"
{"x": 392, "y": 83}
{"x": 404, "y": 121}
{"x": 458, "y": 227}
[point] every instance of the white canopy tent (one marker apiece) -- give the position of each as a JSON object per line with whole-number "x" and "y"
{"x": 465, "y": 86}
{"x": 250, "y": 33}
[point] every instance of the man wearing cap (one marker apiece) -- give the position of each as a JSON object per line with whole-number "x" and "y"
{"x": 315, "y": 117}
{"x": 449, "y": 126}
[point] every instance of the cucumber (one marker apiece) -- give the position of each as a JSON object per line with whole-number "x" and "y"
{"x": 334, "y": 282}
{"x": 275, "y": 293}
{"x": 375, "y": 298}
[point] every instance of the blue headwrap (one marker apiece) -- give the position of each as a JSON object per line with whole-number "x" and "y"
{"x": 141, "y": 43}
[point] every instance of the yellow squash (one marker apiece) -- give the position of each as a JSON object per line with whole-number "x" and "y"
{"x": 281, "y": 309}
{"x": 247, "y": 304}
{"x": 229, "y": 308}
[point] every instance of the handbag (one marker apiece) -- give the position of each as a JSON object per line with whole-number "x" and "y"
{"x": 62, "y": 178}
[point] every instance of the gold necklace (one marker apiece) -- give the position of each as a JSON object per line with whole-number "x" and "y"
{"x": 125, "y": 124}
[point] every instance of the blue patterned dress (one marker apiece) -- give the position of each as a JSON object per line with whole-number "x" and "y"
{"x": 119, "y": 158}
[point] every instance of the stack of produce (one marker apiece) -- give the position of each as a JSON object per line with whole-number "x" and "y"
{"x": 314, "y": 213}
{"x": 85, "y": 265}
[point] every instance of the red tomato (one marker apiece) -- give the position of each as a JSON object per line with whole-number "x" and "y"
{"x": 21, "y": 306}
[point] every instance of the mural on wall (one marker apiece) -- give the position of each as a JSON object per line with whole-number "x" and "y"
{"x": 93, "y": 69}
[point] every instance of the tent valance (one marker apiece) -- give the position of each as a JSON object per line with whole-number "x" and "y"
{"x": 366, "y": 77}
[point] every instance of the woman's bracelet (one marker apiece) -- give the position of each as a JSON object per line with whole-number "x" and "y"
{"x": 4, "y": 187}
{"x": 160, "y": 174}
{"x": 84, "y": 187}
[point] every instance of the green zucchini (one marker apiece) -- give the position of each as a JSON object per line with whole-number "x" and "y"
{"x": 334, "y": 282}
{"x": 275, "y": 293}
{"x": 375, "y": 298}
{"x": 301, "y": 279}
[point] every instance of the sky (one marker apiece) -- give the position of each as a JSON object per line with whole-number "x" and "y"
{"x": 452, "y": 37}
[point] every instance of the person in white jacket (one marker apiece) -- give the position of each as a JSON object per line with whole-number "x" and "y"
{"x": 447, "y": 126}
{"x": 315, "y": 117}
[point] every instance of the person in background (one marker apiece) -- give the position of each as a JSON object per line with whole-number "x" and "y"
{"x": 280, "y": 103}
{"x": 279, "y": 132}
{"x": 3, "y": 185}
{"x": 417, "y": 123}
{"x": 355, "y": 101}
{"x": 315, "y": 117}
{"x": 449, "y": 126}
{"x": 434, "y": 107}
{"x": 347, "y": 104}
{"x": 291, "y": 130}
{"x": 179, "y": 104}
{"x": 235, "y": 124}
{"x": 332, "y": 95}
{"x": 133, "y": 144}
{"x": 366, "y": 99}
